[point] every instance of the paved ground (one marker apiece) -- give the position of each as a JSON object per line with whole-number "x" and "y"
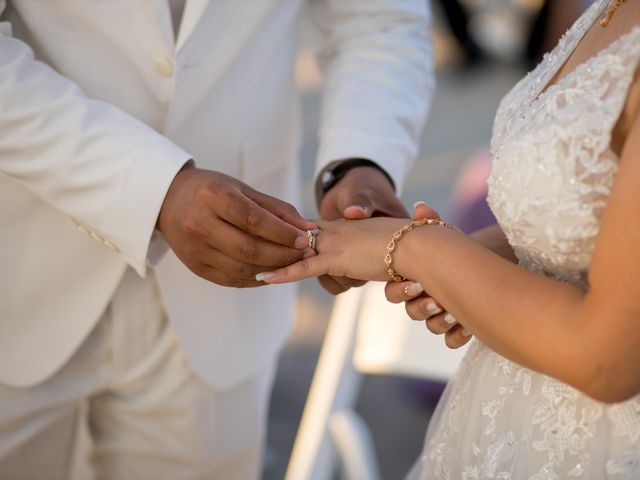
{"x": 459, "y": 124}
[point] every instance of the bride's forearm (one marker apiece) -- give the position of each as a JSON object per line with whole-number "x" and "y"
{"x": 536, "y": 321}
{"x": 494, "y": 239}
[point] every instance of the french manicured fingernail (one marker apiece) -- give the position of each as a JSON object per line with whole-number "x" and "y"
{"x": 466, "y": 333}
{"x": 359, "y": 207}
{"x": 415, "y": 205}
{"x": 301, "y": 242}
{"x": 265, "y": 276}
{"x": 308, "y": 254}
{"x": 433, "y": 309}
{"x": 413, "y": 289}
{"x": 448, "y": 318}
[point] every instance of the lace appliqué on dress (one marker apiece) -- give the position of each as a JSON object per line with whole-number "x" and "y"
{"x": 626, "y": 418}
{"x": 565, "y": 427}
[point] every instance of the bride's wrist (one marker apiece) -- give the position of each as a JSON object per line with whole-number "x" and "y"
{"x": 416, "y": 251}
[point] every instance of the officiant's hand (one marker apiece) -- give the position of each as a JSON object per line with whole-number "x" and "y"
{"x": 364, "y": 192}
{"x": 226, "y": 232}
{"x": 421, "y": 306}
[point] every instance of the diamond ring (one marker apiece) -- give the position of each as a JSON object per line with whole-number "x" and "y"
{"x": 312, "y": 235}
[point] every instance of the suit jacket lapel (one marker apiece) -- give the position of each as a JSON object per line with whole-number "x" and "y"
{"x": 193, "y": 11}
{"x": 162, "y": 14}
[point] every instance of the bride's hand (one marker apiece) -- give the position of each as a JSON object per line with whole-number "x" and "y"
{"x": 420, "y": 306}
{"x": 346, "y": 248}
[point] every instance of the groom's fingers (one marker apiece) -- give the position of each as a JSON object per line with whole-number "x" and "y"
{"x": 219, "y": 277}
{"x": 249, "y": 249}
{"x": 363, "y": 192}
{"x": 282, "y": 210}
{"x": 367, "y": 203}
{"x": 337, "y": 285}
{"x": 331, "y": 285}
{"x": 422, "y": 210}
{"x": 250, "y": 217}
{"x": 307, "y": 268}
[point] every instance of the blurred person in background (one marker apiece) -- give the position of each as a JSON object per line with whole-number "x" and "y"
{"x": 458, "y": 21}
{"x": 550, "y": 388}
{"x": 132, "y": 127}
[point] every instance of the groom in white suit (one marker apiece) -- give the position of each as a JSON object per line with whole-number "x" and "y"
{"x": 130, "y": 126}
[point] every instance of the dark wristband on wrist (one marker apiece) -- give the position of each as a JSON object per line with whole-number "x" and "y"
{"x": 336, "y": 171}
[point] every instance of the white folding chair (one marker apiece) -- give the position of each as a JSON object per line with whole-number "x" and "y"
{"x": 365, "y": 335}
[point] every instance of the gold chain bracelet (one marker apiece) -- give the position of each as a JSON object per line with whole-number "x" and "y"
{"x": 391, "y": 247}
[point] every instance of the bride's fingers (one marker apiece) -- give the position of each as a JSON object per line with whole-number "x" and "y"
{"x": 457, "y": 337}
{"x": 402, "y": 291}
{"x": 423, "y": 307}
{"x": 307, "y": 268}
{"x": 441, "y": 323}
{"x": 418, "y": 304}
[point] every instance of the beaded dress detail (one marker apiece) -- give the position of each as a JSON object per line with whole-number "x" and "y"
{"x": 552, "y": 173}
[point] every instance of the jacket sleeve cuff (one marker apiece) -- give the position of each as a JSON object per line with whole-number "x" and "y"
{"x": 149, "y": 180}
{"x": 394, "y": 158}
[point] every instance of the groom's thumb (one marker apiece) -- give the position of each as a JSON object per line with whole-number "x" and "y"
{"x": 357, "y": 206}
{"x": 422, "y": 210}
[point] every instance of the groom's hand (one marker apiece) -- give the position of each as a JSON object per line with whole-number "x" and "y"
{"x": 226, "y": 232}
{"x": 364, "y": 192}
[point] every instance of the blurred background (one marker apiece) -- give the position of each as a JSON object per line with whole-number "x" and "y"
{"x": 482, "y": 47}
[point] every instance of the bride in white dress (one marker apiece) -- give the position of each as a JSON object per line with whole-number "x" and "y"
{"x": 550, "y": 387}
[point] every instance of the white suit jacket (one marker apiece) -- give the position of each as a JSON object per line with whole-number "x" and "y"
{"x": 100, "y": 107}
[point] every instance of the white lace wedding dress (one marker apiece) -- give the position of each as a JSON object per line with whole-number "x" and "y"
{"x": 552, "y": 172}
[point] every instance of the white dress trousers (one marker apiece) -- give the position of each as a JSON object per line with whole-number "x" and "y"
{"x": 149, "y": 415}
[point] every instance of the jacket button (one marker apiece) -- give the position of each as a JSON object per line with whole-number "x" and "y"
{"x": 164, "y": 66}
